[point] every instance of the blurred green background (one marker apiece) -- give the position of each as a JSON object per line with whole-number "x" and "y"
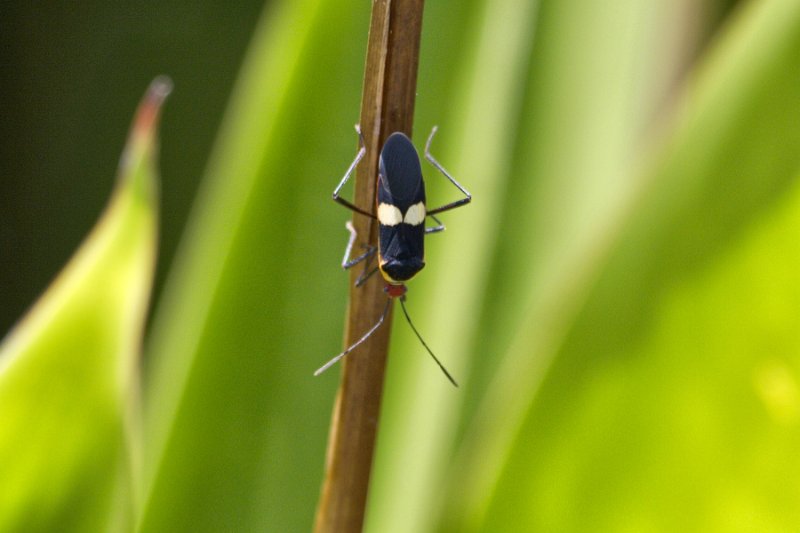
{"x": 71, "y": 78}
{"x": 620, "y": 303}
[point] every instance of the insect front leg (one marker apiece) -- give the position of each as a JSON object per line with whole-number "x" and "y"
{"x": 452, "y": 205}
{"x": 365, "y": 257}
{"x": 360, "y": 155}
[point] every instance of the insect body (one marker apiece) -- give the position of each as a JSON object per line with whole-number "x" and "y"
{"x": 401, "y": 213}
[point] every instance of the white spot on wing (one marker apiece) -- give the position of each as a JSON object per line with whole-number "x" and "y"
{"x": 389, "y": 215}
{"x": 415, "y": 214}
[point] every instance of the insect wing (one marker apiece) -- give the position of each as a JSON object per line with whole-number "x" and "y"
{"x": 400, "y": 174}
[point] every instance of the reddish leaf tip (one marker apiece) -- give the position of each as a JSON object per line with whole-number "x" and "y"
{"x": 149, "y": 108}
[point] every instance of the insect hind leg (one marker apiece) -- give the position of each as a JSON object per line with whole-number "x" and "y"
{"x": 452, "y": 205}
{"x": 353, "y": 346}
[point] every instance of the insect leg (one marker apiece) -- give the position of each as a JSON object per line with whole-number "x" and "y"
{"x": 333, "y": 361}
{"x": 361, "y": 151}
{"x": 435, "y": 229}
{"x": 348, "y": 263}
{"x": 362, "y": 279}
{"x": 367, "y": 256}
{"x": 452, "y": 205}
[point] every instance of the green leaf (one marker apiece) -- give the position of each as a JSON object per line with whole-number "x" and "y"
{"x": 68, "y": 369}
{"x": 632, "y": 394}
{"x": 236, "y": 423}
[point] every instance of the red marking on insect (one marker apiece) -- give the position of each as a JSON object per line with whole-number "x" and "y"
{"x": 395, "y": 291}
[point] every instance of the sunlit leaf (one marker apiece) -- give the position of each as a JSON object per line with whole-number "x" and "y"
{"x": 629, "y": 399}
{"x": 68, "y": 370}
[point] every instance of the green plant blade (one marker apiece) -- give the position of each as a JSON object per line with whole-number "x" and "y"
{"x": 598, "y": 419}
{"x": 553, "y": 123}
{"x": 236, "y": 422}
{"x": 68, "y": 369}
{"x": 420, "y": 416}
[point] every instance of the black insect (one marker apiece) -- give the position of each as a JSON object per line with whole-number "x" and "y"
{"x": 401, "y": 213}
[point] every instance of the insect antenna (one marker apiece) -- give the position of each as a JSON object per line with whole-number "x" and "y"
{"x": 408, "y": 319}
{"x": 333, "y": 361}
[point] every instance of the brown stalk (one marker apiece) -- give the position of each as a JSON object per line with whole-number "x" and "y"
{"x": 387, "y": 105}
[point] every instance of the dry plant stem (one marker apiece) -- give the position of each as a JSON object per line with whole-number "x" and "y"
{"x": 387, "y": 105}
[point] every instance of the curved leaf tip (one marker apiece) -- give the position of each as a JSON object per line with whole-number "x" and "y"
{"x": 150, "y": 107}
